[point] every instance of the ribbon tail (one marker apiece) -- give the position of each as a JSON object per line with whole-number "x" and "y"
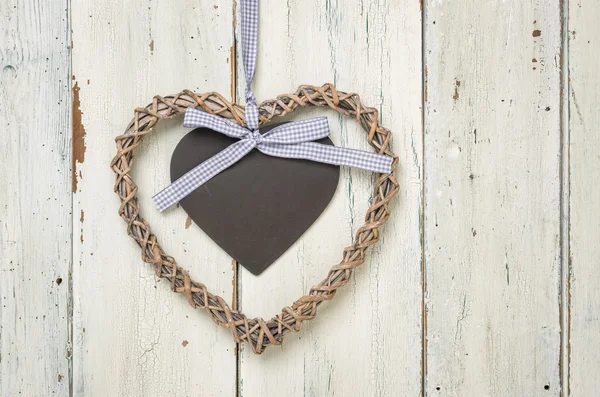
{"x": 201, "y": 174}
{"x": 333, "y": 155}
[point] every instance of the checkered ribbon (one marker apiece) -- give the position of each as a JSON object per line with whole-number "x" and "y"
{"x": 249, "y": 49}
{"x": 291, "y": 140}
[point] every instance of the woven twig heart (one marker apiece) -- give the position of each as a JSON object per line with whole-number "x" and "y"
{"x": 257, "y": 332}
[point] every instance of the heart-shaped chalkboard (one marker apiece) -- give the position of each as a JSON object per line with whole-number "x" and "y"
{"x": 256, "y": 209}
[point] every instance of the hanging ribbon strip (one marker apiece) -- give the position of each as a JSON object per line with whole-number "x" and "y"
{"x": 290, "y": 140}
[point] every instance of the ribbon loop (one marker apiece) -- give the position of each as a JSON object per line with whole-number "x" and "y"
{"x": 249, "y": 39}
{"x": 299, "y": 131}
{"x": 194, "y": 118}
{"x": 249, "y": 50}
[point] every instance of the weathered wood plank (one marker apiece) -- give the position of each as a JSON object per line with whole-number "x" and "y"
{"x": 35, "y": 198}
{"x": 371, "y": 332}
{"x": 492, "y": 198}
{"x": 584, "y": 269}
{"x": 133, "y": 336}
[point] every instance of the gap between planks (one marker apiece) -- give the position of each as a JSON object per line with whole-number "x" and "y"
{"x": 565, "y": 210}
{"x": 423, "y": 9}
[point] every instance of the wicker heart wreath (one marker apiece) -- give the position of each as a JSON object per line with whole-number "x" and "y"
{"x": 257, "y": 332}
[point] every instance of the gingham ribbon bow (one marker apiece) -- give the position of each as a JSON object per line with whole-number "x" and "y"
{"x": 290, "y": 140}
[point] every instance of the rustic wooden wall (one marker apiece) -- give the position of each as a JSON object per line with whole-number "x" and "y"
{"x": 492, "y": 198}
{"x": 35, "y": 199}
{"x": 484, "y": 283}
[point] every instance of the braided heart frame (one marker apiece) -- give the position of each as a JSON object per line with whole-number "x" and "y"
{"x": 257, "y": 332}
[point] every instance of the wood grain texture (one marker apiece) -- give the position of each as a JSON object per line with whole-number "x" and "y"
{"x": 35, "y": 198}
{"x": 584, "y": 269}
{"x": 501, "y": 191}
{"x": 367, "y": 341}
{"x": 133, "y": 336}
{"x": 492, "y": 198}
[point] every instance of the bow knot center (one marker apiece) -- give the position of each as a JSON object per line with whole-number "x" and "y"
{"x": 256, "y": 137}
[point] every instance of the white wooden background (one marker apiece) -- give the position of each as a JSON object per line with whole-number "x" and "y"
{"x": 486, "y": 279}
